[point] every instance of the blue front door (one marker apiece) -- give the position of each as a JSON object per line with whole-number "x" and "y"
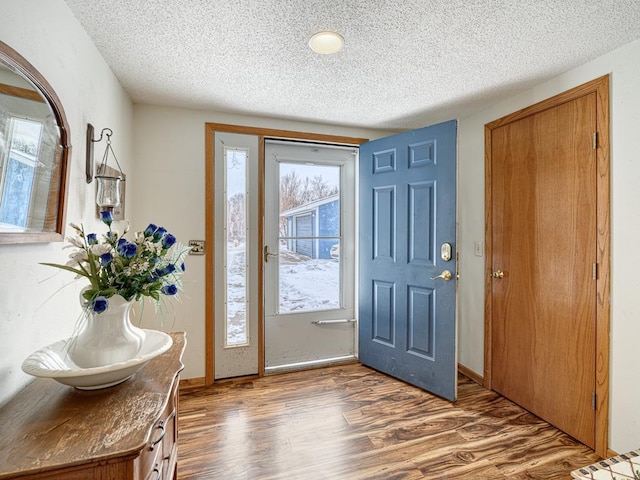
{"x": 407, "y": 239}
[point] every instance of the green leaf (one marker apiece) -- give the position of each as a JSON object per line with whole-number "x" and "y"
{"x": 68, "y": 268}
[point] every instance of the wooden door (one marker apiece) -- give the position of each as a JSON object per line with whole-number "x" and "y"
{"x": 544, "y": 256}
{"x": 407, "y": 282}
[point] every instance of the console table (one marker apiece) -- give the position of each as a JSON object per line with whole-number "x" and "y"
{"x": 129, "y": 431}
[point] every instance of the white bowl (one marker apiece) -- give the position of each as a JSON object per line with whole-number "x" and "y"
{"x": 54, "y": 362}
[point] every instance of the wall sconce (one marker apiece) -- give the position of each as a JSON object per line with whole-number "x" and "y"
{"x": 108, "y": 194}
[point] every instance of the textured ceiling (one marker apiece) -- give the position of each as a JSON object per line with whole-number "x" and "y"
{"x": 405, "y": 64}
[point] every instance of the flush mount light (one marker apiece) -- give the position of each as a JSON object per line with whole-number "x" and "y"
{"x": 326, "y": 43}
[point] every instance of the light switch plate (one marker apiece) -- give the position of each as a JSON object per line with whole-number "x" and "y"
{"x": 197, "y": 247}
{"x": 478, "y": 248}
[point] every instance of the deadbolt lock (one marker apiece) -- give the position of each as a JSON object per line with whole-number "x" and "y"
{"x": 445, "y": 252}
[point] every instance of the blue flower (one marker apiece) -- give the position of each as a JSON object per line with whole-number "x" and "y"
{"x": 127, "y": 249}
{"x": 107, "y": 217}
{"x": 169, "y": 289}
{"x": 168, "y": 240}
{"x": 160, "y": 231}
{"x": 100, "y": 304}
{"x": 148, "y": 232}
{"x": 162, "y": 272}
{"x": 150, "y": 265}
{"x": 106, "y": 259}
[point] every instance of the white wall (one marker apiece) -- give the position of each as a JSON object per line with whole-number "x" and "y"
{"x": 169, "y": 149}
{"x": 35, "y": 309}
{"x": 624, "y": 67}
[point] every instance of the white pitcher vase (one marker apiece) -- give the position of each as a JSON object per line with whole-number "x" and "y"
{"x": 108, "y": 337}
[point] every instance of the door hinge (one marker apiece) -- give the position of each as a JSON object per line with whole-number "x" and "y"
{"x": 593, "y": 400}
{"x": 595, "y": 140}
{"x": 595, "y": 271}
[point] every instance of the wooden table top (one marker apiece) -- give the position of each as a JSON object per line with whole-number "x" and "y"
{"x": 48, "y": 424}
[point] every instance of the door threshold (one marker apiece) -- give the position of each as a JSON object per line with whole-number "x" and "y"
{"x": 328, "y": 362}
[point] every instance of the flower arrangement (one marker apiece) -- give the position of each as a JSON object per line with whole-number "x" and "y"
{"x": 149, "y": 266}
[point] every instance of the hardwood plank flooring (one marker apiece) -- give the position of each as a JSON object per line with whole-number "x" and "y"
{"x": 353, "y": 423}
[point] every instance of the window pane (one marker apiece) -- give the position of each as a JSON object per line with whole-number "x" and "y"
{"x": 309, "y": 262}
{"x": 236, "y": 255}
{"x": 18, "y": 177}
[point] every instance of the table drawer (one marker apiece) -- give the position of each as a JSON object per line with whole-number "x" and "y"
{"x": 151, "y": 455}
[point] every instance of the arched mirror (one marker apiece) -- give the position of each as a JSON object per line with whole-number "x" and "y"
{"x": 34, "y": 152}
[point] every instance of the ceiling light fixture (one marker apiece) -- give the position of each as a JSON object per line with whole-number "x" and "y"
{"x": 326, "y": 43}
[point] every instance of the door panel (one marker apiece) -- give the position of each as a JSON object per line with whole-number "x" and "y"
{"x": 544, "y": 240}
{"x": 310, "y": 269}
{"x": 236, "y": 239}
{"x": 407, "y": 211}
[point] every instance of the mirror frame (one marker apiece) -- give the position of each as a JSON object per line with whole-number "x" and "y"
{"x": 18, "y": 63}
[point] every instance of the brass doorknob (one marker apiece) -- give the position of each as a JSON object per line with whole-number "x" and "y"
{"x": 446, "y": 275}
{"x": 498, "y": 274}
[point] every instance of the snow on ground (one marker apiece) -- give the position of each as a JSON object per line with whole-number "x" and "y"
{"x": 308, "y": 284}
{"x": 305, "y": 285}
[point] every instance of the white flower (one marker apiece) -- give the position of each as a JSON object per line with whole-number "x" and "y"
{"x": 75, "y": 242}
{"x": 76, "y": 258}
{"x": 100, "y": 248}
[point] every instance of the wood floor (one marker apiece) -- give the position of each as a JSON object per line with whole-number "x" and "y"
{"x": 351, "y": 422}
